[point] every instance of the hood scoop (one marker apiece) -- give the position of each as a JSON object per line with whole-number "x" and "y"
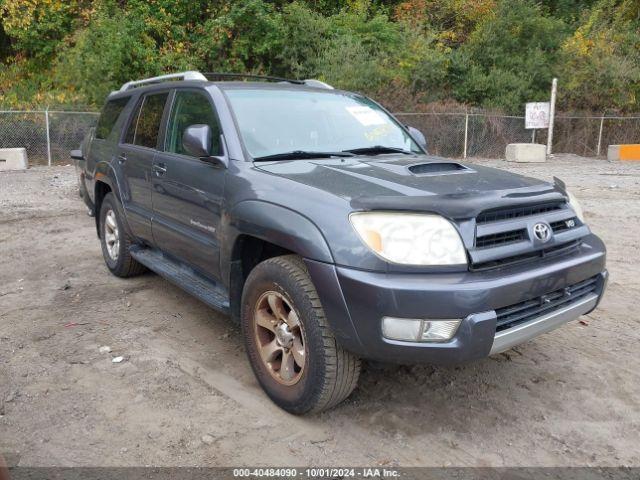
{"x": 438, "y": 168}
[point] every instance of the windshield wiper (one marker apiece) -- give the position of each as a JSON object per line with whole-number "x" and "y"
{"x": 377, "y": 149}
{"x": 302, "y": 154}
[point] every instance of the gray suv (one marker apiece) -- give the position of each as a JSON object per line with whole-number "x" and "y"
{"x": 320, "y": 223}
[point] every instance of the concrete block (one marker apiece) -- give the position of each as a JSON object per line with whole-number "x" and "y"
{"x": 526, "y": 152}
{"x": 628, "y": 152}
{"x": 13, "y": 159}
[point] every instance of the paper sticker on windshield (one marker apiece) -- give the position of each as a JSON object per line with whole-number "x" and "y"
{"x": 366, "y": 116}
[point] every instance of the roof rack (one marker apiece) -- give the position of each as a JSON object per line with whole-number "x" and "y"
{"x": 309, "y": 82}
{"x": 192, "y": 75}
{"x": 211, "y": 75}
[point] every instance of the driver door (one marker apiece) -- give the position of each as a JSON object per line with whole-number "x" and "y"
{"x": 187, "y": 193}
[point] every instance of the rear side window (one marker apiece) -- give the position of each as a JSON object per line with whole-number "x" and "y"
{"x": 146, "y": 120}
{"x": 110, "y": 113}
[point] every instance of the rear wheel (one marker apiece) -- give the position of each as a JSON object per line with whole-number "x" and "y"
{"x": 115, "y": 240}
{"x": 292, "y": 351}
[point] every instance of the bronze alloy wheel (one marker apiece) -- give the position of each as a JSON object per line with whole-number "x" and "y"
{"x": 279, "y": 337}
{"x": 293, "y": 353}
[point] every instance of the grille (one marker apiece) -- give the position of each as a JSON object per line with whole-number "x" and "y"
{"x": 562, "y": 225}
{"x": 527, "y": 257}
{"x": 502, "y": 238}
{"x": 517, "y": 212}
{"x": 522, "y": 312}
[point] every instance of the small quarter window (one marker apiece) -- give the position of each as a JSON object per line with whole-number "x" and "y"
{"x": 109, "y": 116}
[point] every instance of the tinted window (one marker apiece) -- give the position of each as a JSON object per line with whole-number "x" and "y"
{"x": 110, "y": 113}
{"x": 191, "y": 108}
{"x": 147, "y": 124}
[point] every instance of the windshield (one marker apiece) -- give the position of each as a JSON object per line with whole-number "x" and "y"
{"x": 273, "y": 122}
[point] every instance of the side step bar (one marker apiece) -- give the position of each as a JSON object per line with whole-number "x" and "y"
{"x": 184, "y": 277}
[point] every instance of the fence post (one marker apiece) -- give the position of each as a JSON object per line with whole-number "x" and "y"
{"x": 552, "y": 114}
{"x": 466, "y": 133}
{"x": 46, "y": 121}
{"x": 600, "y": 135}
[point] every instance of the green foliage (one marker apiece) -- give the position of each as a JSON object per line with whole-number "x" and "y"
{"x": 126, "y": 51}
{"x": 243, "y": 37}
{"x": 489, "y": 53}
{"x": 603, "y": 56}
{"x": 510, "y": 58}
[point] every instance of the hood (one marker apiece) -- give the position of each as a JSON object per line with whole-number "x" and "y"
{"x": 416, "y": 183}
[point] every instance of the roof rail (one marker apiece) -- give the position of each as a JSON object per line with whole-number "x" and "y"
{"x": 192, "y": 75}
{"x": 211, "y": 75}
{"x": 310, "y": 82}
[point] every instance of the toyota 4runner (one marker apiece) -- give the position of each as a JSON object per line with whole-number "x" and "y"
{"x": 320, "y": 223}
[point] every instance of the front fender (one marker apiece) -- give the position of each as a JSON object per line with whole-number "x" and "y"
{"x": 295, "y": 232}
{"x": 278, "y": 225}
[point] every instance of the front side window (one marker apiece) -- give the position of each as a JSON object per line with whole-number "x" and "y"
{"x": 145, "y": 123}
{"x": 275, "y": 121}
{"x": 109, "y": 116}
{"x": 191, "y": 108}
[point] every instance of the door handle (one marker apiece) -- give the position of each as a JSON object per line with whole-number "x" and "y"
{"x": 159, "y": 169}
{"x": 122, "y": 158}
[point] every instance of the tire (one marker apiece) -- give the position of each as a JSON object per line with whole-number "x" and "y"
{"x": 115, "y": 240}
{"x": 325, "y": 374}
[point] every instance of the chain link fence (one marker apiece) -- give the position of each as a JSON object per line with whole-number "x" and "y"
{"x": 48, "y": 136}
{"x": 462, "y": 135}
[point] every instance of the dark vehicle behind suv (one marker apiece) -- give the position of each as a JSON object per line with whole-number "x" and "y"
{"x": 320, "y": 223}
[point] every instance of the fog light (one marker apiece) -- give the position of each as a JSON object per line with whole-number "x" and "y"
{"x": 405, "y": 329}
{"x": 439, "y": 330}
{"x": 417, "y": 330}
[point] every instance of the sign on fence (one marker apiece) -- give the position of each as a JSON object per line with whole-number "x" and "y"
{"x": 537, "y": 115}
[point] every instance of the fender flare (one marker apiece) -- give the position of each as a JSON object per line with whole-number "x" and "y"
{"x": 278, "y": 225}
{"x": 105, "y": 173}
{"x": 293, "y": 231}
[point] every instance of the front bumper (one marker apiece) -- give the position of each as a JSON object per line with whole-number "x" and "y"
{"x": 355, "y": 302}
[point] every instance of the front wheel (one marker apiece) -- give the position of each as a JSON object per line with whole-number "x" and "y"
{"x": 292, "y": 351}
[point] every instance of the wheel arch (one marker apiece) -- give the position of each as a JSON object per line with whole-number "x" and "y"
{"x": 260, "y": 230}
{"x": 105, "y": 181}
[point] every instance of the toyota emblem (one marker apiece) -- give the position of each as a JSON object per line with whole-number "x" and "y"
{"x": 542, "y": 231}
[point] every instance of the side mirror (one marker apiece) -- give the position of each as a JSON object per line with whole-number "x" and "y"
{"x": 77, "y": 155}
{"x": 196, "y": 140}
{"x": 418, "y": 136}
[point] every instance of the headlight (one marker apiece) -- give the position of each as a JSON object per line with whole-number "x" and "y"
{"x": 410, "y": 238}
{"x": 573, "y": 201}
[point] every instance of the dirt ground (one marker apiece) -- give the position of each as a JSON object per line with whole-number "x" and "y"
{"x": 185, "y": 394}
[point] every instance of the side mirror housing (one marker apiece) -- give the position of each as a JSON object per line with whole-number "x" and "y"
{"x": 418, "y": 136}
{"x": 196, "y": 140}
{"x": 77, "y": 155}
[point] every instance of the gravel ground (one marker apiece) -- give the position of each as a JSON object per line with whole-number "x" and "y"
{"x": 185, "y": 395}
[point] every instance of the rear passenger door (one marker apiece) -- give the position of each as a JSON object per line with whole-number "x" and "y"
{"x": 188, "y": 192}
{"x": 135, "y": 156}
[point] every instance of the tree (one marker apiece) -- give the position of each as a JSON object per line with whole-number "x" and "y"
{"x": 600, "y": 63}
{"x": 509, "y": 59}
